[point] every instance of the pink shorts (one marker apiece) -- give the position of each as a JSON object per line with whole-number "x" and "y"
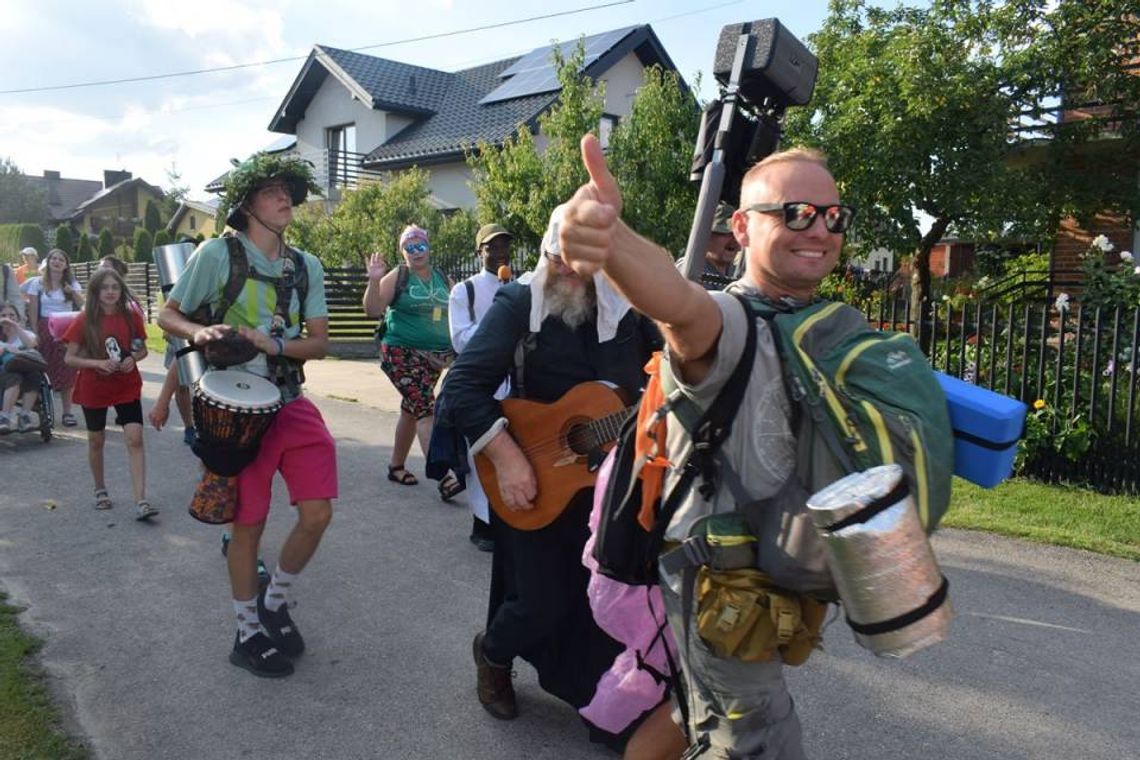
{"x": 299, "y": 446}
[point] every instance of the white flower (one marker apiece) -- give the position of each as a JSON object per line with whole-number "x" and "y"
{"x": 1136, "y": 270}
{"x": 1109, "y": 368}
{"x": 1062, "y": 303}
{"x": 945, "y": 298}
{"x": 1126, "y": 255}
{"x": 1103, "y": 243}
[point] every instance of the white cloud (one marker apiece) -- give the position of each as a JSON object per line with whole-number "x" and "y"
{"x": 214, "y": 19}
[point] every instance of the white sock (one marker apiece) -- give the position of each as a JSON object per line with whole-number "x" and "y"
{"x": 280, "y": 589}
{"x": 248, "y": 624}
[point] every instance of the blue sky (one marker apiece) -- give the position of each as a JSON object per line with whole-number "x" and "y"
{"x": 199, "y": 122}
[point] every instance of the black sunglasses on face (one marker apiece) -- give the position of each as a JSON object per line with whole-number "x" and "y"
{"x": 800, "y": 215}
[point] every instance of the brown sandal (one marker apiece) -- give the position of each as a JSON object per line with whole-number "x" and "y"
{"x": 405, "y": 478}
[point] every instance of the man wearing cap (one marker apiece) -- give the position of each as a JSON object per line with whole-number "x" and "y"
{"x": 258, "y": 202}
{"x": 720, "y": 256}
{"x": 568, "y": 330}
{"x": 466, "y": 307}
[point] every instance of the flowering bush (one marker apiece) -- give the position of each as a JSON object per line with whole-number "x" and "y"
{"x": 1109, "y": 285}
{"x": 1047, "y": 429}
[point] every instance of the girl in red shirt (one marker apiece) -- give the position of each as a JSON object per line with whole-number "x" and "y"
{"x": 105, "y": 343}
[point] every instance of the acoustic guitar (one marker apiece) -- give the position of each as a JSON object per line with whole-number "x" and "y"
{"x": 564, "y": 442}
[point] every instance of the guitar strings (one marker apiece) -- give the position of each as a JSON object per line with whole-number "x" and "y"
{"x": 605, "y": 429}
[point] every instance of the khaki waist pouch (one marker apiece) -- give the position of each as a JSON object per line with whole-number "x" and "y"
{"x": 741, "y": 614}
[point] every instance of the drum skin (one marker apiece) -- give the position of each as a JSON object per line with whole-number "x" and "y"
{"x": 233, "y": 409}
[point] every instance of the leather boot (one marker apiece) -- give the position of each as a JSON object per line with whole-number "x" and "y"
{"x": 493, "y": 684}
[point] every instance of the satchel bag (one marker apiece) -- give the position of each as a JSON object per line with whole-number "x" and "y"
{"x": 25, "y": 361}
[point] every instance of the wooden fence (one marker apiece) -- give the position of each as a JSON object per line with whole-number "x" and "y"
{"x": 344, "y": 289}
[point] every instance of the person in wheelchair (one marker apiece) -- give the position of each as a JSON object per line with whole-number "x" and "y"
{"x": 20, "y": 380}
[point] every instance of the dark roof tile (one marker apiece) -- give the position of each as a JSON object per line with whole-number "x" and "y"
{"x": 461, "y": 121}
{"x": 393, "y": 86}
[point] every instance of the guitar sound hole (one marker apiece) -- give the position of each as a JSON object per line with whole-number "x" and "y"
{"x": 580, "y": 439}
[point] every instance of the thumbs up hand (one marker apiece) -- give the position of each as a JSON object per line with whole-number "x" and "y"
{"x": 592, "y": 216}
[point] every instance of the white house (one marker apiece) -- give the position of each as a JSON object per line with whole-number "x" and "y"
{"x": 354, "y": 115}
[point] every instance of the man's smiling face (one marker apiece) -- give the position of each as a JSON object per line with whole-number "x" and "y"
{"x": 783, "y": 261}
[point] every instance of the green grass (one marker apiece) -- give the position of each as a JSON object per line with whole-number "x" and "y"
{"x": 155, "y": 343}
{"x": 29, "y": 727}
{"x": 1050, "y": 514}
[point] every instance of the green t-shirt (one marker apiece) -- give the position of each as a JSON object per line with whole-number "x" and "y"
{"x": 418, "y": 318}
{"x": 205, "y": 279}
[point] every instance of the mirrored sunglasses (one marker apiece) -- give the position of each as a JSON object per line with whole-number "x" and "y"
{"x": 416, "y": 248}
{"x": 800, "y": 215}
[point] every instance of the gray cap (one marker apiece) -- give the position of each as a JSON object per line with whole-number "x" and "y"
{"x": 722, "y": 218}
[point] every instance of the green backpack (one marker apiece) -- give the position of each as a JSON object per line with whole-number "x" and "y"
{"x": 871, "y": 394}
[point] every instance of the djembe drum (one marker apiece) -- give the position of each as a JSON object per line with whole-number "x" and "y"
{"x": 232, "y": 411}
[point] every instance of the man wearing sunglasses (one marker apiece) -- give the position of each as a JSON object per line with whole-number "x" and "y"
{"x": 791, "y": 225}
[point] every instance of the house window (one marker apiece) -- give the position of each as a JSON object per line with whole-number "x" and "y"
{"x": 341, "y": 144}
{"x": 606, "y": 128}
{"x": 193, "y": 222}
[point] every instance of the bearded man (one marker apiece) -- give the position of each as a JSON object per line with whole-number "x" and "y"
{"x": 550, "y": 332}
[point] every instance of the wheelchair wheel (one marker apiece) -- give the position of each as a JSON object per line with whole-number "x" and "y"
{"x": 46, "y": 409}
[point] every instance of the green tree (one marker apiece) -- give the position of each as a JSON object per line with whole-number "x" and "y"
{"x": 65, "y": 239}
{"x": 152, "y": 218}
{"x": 175, "y": 191}
{"x": 33, "y": 235}
{"x": 84, "y": 250}
{"x": 106, "y": 245}
{"x": 649, "y": 155}
{"x": 20, "y": 200}
{"x": 367, "y": 219}
{"x": 143, "y": 249}
{"x": 516, "y": 186}
{"x": 161, "y": 238}
{"x": 914, "y": 107}
{"x": 453, "y": 240}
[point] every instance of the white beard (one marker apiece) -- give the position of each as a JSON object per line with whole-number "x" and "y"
{"x": 569, "y": 301}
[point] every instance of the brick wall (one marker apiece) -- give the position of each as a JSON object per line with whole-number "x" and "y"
{"x": 1074, "y": 240}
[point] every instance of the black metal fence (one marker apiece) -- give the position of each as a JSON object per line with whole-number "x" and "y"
{"x": 1077, "y": 365}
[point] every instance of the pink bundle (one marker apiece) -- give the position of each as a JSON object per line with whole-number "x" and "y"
{"x": 634, "y": 616}
{"x": 59, "y": 322}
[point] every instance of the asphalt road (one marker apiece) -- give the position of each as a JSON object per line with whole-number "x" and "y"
{"x": 1043, "y": 660}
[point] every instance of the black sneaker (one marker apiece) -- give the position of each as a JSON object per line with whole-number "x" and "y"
{"x": 259, "y": 656}
{"x": 280, "y": 628}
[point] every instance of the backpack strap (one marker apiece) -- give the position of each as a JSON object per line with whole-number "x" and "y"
{"x": 239, "y": 272}
{"x": 525, "y": 345}
{"x": 402, "y": 276}
{"x": 470, "y": 287}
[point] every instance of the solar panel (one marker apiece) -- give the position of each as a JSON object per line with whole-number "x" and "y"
{"x": 534, "y": 73}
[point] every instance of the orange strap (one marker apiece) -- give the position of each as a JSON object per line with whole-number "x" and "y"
{"x": 649, "y": 443}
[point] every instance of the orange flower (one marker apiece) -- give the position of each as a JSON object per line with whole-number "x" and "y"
{"x": 1039, "y": 404}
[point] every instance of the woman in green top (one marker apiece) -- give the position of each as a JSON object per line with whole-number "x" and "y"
{"x": 416, "y": 345}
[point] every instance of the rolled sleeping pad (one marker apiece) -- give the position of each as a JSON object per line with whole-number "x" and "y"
{"x": 894, "y": 595}
{"x": 170, "y": 260}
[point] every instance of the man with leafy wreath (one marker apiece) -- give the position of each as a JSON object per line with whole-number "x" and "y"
{"x": 258, "y": 201}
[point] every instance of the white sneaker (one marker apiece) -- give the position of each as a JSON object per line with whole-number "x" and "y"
{"x": 23, "y": 422}
{"x": 5, "y": 424}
